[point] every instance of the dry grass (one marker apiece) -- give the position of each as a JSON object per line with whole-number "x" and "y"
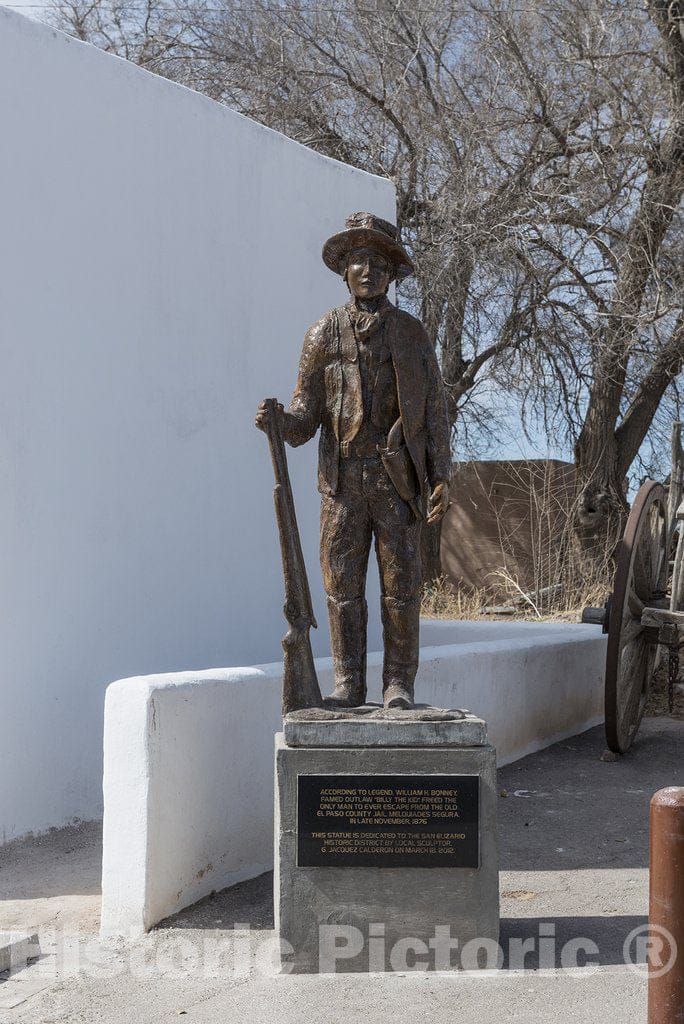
{"x": 443, "y": 600}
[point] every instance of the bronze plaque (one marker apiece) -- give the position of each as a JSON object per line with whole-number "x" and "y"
{"x": 388, "y": 821}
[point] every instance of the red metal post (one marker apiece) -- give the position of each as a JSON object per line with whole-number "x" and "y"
{"x": 666, "y": 913}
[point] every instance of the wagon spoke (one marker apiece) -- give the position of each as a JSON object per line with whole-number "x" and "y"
{"x": 631, "y": 657}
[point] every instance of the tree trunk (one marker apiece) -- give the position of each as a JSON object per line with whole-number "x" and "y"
{"x": 609, "y": 442}
{"x": 600, "y": 508}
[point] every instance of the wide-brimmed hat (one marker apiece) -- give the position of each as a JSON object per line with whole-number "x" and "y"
{"x": 365, "y": 230}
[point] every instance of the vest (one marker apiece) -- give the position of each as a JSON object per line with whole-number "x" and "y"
{"x": 369, "y": 392}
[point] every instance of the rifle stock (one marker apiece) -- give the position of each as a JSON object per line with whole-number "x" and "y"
{"x": 300, "y": 682}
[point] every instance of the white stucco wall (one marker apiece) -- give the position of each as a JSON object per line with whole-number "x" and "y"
{"x": 189, "y": 756}
{"x": 160, "y": 262}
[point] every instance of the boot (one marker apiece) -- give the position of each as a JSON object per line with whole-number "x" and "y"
{"x": 400, "y": 629}
{"x": 348, "y": 621}
{"x": 398, "y": 696}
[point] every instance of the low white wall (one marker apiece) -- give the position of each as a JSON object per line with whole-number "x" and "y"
{"x": 188, "y": 775}
{"x": 160, "y": 262}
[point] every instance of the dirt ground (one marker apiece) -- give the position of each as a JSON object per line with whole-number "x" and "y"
{"x": 52, "y": 879}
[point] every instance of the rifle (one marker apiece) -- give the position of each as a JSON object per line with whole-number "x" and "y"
{"x": 300, "y": 682}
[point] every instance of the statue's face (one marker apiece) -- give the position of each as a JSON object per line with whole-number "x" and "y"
{"x": 368, "y": 273}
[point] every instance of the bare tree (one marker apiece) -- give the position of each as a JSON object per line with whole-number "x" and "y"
{"x": 536, "y": 149}
{"x": 147, "y": 32}
{"x": 638, "y": 341}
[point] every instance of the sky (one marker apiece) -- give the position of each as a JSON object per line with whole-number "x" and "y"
{"x": 25, "y": 6}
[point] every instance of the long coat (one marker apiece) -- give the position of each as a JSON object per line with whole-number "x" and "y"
{"x": 329, "y": 364}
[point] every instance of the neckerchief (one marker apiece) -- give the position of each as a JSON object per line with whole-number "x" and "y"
{"x": 366, "y": 323}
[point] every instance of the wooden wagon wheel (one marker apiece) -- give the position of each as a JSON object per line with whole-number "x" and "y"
{"x": 640, "y": 580}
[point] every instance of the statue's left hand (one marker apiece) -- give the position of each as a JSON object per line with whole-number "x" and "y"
{"x": 438, "y": 503}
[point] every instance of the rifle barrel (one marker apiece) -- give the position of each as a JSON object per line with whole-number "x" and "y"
{"x": 293, "y": 557}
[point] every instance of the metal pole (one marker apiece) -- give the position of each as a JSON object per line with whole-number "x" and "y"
{"x": 666, "y": 913}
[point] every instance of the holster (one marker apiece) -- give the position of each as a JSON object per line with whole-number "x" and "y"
{"x": 398, "y": 463}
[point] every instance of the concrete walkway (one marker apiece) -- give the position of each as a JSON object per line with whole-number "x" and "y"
{"x": 574, "y": 886}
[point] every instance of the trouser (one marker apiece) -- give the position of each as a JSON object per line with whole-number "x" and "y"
{"x": 367, "y": 505}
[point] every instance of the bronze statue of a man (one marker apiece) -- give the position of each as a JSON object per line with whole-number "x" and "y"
{"x": 368, "y": 377}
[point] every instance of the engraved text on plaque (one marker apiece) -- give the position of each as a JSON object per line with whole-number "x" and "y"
{"x": 388, "y": 821}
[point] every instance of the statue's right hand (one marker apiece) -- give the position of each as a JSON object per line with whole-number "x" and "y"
{"x": 264, "y": 413}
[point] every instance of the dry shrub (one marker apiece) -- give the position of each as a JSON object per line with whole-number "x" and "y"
{"x": 530, "y": 558}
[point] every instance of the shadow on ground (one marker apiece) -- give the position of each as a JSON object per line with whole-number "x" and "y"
{"x": 569, "y": 942}
{"x": 52, "y": 879}
{"x": 249, "y": 903}
{"x": 59, "y": 862}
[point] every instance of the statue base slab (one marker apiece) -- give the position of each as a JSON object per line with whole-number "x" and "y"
{"x": 386, "y": 844}
{"x": 372, "y": 726}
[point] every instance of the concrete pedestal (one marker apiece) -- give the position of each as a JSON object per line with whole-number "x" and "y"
{"x": 386, "y": 846}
